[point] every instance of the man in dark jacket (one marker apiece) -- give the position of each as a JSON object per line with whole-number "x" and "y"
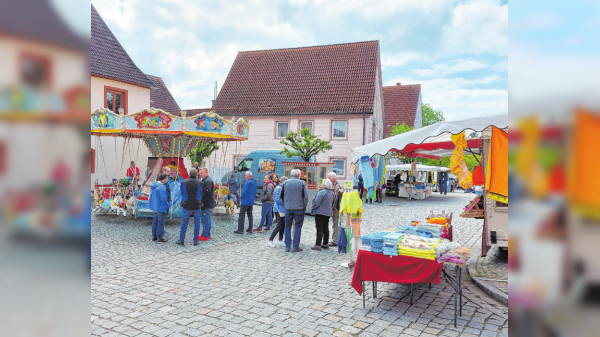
{"x": 191, "y": 201}
{"x": 208, "y": 199}
{"x": 247, "y": 201}
{"x": 295, "y": 199}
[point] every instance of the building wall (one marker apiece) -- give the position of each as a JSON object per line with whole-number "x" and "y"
{"x": 113, "y": 154}
{"x": 419, "y": 114}
{"x": 262, "y": 137}
{"x": 70, "y": 64}
{"x": 376, "y": 119}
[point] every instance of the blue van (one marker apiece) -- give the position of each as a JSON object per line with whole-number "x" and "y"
{"x": 260, "y": 163}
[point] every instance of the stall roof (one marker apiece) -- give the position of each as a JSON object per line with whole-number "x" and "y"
{"x": 436, "y": 135}
{"x": 420, "y": 167}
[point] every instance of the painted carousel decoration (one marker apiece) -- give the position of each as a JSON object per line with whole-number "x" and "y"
{"x": 168, "y": 137}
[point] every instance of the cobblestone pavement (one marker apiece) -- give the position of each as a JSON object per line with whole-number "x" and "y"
{"x": 493, "y": 269}
{"x": 235, "y": 285}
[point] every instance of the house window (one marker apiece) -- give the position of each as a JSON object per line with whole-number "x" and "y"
{"x": 339, "y": 166}
{"x": 306, "y": 125}
{"x": 282, "y": 129}
{"x": 114, "y": 99}
{"x": 338, "y": 129}
{"x": 35, "y": 71}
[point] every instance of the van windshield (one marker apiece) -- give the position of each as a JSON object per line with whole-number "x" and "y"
{"x": 245, "y": 165}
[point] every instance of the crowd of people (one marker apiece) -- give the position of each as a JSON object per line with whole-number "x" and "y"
{"x": 284, "y": 204}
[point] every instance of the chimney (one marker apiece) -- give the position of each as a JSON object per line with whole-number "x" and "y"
{"x": 398, "y": 83}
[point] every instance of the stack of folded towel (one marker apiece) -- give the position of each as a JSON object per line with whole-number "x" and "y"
{"x": 390, "y": 243}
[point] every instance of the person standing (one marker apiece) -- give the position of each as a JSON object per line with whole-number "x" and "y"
{"x": 279, "y": 210}
{"x": 267, "y": 200}
{"x": 208, "y": 203}
{"x": 157, "y": 201}
{"x": 167, "y": 170}
{"x": 191, "y": 201}
{"x": 322, "y": 209}
{"x": 196, "y": 166}
{"x": 246, "y": 201}
{"x": 337, "y": 195}
{"x": 361, "y": 186}
{"x": 295, "y": 199}
{"x": 234, "y": 186}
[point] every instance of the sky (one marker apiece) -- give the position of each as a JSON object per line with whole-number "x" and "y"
{"x": 456, "y": 50}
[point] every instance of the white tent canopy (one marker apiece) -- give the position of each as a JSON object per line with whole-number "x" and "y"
{"x": 438, "y": 132}
{"x": 420, "y": 167}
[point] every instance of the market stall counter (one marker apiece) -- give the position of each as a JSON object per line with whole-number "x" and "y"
{"x": 401, "y": 269}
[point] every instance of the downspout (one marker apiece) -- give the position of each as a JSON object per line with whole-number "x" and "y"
{"x": 364, "y": 127}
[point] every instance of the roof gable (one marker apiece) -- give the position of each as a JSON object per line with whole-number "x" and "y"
{"x": 109, "y": 59}
{"x": 400, "y": 104}
{"x": 337, "y": 78}
{"x": 161, "y": 98}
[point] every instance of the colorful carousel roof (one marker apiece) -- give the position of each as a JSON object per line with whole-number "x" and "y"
{"x": 165, "y": 134}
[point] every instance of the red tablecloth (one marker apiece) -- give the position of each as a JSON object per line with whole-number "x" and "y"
{"x": 394, "y": 269}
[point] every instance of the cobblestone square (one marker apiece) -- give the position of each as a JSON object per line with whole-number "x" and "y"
{"x": 236, "y": 285}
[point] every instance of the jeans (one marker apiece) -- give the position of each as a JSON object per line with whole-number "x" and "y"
{"x": 296, "y": 215}
{"x": 322, "y": 223}
{"x": 280, "y": 228}
{"x": 245, "y": 210}
{"x": 206, "y": 222}
{"x": 158, "y": 225}
{"x": 266, "y": 217}
{"x": 185, "y": 219}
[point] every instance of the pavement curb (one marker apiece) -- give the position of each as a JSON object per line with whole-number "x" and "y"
{"x": 483, "y": 285}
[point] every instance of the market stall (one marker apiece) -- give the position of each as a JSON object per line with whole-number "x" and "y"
{"x": 417, "y": 184}
{"x": 312, "y": 174}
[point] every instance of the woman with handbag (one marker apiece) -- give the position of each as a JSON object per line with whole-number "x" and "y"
{"x": 322, "y": 209}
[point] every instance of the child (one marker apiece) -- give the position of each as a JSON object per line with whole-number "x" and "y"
{"x": 230, "y": 201}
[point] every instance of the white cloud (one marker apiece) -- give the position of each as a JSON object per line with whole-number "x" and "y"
{"x": 479, "y": 26}
{"x": 124, "y": 14}
{"x": 442, "y": 69}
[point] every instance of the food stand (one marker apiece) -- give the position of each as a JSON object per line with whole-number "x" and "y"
{"x": 311, "y": 173}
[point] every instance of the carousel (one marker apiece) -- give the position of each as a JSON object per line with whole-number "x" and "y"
{"x": 169, "y": 138}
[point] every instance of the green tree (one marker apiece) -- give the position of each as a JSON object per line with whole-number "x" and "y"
{"x": 430, "y": 115}
{"x": 202, "y": 150}
{"x": 399, "y": 128}
{"x": 303, "y": 144}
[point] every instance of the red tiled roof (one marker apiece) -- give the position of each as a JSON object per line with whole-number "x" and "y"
{"x": 109, "y": 59}
{"x": 400, "y": 103}
{"x": 38, "y": 20}
{"x": 161, "y": 98}
{"x": 194, "y": 112}
{"x": 336, "y": 79}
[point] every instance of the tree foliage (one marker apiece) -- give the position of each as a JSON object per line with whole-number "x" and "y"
{"x": 202, "y": 150}
{"x": 430, "y": 115}
{"x": 399, "y": 128}
{"x": 304, "y": 144}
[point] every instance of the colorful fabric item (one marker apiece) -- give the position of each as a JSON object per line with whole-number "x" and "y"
{"x": 478, "y": 176}
{"x": 367, "y": 174}
{"x": 395, "y": 269}
{"x": 496, "y": 181}
{"x": 457, "y": 161}
{"x": 351, "y": 203}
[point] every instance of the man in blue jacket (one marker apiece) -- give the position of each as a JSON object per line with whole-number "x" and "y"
{"x": 247, "y": 201}
{"x": 159, "y": 205}
{"x": 191, "y": 201}
{"x": 295, "y": 199}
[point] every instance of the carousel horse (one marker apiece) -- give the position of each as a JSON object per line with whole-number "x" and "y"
{"x": 130, "y": 204}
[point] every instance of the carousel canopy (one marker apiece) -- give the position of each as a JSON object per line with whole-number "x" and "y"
{"x": 167, "y": 135}
{"x": 433, "y": 141}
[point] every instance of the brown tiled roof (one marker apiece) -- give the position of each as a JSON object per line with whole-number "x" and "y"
{"x": 161, "y": 98}
{"x": 193, "y": 112}
{"x": 108, "y": 58}
{"x": 400, "y": 103}
{"x": 38, "y": 20}
{"x": 337, "y": 79}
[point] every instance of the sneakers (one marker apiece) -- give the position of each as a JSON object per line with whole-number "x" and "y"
{"x": 267, "y": 229}
{"x": 257, "y": 230}
{"x": 317, "y": 248}
{"x": 297, "y": 250}
{"x": 179, "y": 243}
{"x": 281, "y": 243}
{"x": 271, "y": 244}
{"x": 287, "y": 250}
{"x": 332, "y": 244}
{"x": 202, "y": 238}
{"x": 325, "y": 247}
{"x": 154, "y": 239}
{"x": 238, "y": 232}
{"x": 195, "y": 243}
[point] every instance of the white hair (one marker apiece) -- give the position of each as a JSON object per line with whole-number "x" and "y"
{"x": 332, "y": 175}
{"x": 327, "y": 183}
{"x": 295, "y": 173}
{"x": 248, "y": 174}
